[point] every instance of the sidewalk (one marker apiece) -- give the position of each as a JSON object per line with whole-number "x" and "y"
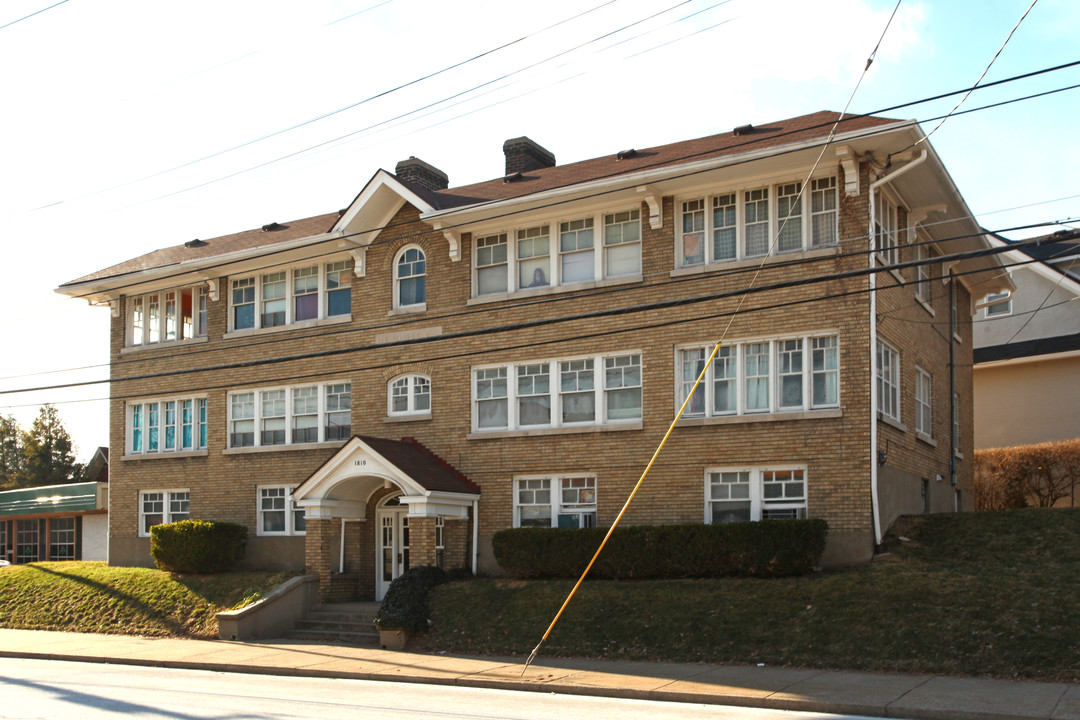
{"x": 882, "y": 695}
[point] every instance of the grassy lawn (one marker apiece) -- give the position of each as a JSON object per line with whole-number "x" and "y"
{"x": 92, "y": 597}
{"x": 994, "y": 594}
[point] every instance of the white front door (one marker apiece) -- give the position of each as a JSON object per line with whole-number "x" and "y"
{"x": 391, "y": 547}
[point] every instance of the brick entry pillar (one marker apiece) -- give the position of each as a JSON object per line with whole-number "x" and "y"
{"x": 421, "y": 541}
{"x": 317, "y": 552}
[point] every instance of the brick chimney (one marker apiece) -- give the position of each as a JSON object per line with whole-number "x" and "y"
{"x": 524, "y": 155}
{"x": 415, "y": 171}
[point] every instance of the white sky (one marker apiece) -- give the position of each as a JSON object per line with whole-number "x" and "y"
{"x": 104, "y": 99}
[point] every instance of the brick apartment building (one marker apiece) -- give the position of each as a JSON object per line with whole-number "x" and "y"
{"x": 393, "y": 383}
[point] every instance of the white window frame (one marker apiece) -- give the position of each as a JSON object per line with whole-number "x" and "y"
{"x": 887, "y": 229}
{"x": 171, "y": 500}
{"x": 734, "y": 211}
{"x": 924, "y": 402}
{"x": 923, "y": 276}
{"x": 755, "y": 492}
{"x": 888, "y": 380}
{"x": 609, "y": 380}
{"x": 737, "y": 355}
{"x": 399, "y": 259}
{"x": 256, "y": 404}
{"x": 560, "y": 489}
{"x": 417, "y": 388}
{"x": 288, "y": 506}
{"x": 1000, "y": 309}
{"x": 332, "y": 276}
{"x": 616, "y": 242}
{"x": 137, "y": 437}
{"x": 170, "y": 316}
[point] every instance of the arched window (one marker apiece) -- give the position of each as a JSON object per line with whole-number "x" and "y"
{"x": 410, "y": 278}
{"x": 409, "y": 395}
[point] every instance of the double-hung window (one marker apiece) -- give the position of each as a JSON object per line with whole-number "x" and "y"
{"x": 409, "y": 395}
{"x": 922, "y": 273}
{"x": 562, "y": 501}
{"x": 888, "y": 380}
{"x": 410, "y": 278}
{"x": 167, "y": 425}
{"x": 278, "y": 513}
{"x": 886, "y": 233}
{"x": 567, "y": 392}
{"x": 167, "y": 316}
{"x": 302, "y": 294}
{"x": 160, "y": 507}
{"x": 781, "y": 218}
{"x": 784, "y": 375}
{"x": 294, "y": 415}
{"x": 562, "y": 252}
{"x": 751, "y": 494}
{"x": 923, "y": 403}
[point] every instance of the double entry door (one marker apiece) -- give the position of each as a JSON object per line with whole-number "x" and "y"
{"x": 391, "y": 546}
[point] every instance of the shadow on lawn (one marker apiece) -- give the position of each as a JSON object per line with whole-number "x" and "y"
{"x": 131, "y": 601}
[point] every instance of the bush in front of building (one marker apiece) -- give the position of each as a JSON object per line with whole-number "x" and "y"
{"x": 773, "y": 548}
{"x": 1043, "y": 475}
{"x": 405, "y": 606}
{"x": 199, "y": 547}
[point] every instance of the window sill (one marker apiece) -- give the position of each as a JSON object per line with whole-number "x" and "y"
{"x": 407, "y": 418}
{"x": 248, "y": 332}
{"x": 896, "y": 274}
{"x": 283, "y": 448}
{"x": 924, "y": 438}
{"x": 167, "y": 345}
{"x": 926, "y": 306}
{"x": 761, "y": 417}
{"x": 755, "y": 261}
{"x": 408, "y": 310}
{"x": 552, "y": 290}
{"x": 164, "y": 455}
{"x": 496, "y": 434}
{"x": 958, "y": 455}
{"x": 892, "y": 422}
{"x": 280, "y": 534}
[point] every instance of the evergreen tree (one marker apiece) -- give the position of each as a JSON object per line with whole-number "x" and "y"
{"x": 11, "y": 458}
{"x": 48, "y": 455}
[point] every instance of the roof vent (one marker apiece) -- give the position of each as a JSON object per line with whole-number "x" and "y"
{"x": 624, "y": 154}
{"x": 743, "y": 130}
{"x": 513, "y": 177}
{"x": 272, "y": 227}
{"x": 195, "y": 243}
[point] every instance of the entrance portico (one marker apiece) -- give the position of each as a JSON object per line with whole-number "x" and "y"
{"x": 378, "y": 507}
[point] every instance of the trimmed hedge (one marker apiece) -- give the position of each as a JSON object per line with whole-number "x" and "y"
{"x": 405, "y": 606}
{"x": 197, "y": 547}
{"x": 773, "y": 548}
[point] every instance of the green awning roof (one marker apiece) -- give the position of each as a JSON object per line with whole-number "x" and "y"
{"x": 76, "y": 497}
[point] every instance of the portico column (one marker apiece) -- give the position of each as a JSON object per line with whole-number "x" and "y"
{"x": 317, "y": 552}
{"x": 421, "y": 541}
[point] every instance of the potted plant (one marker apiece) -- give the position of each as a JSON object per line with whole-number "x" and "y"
{"x": 404, "y": 610}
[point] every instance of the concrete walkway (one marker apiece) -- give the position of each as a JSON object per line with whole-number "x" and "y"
{"x": 882, "y": 695}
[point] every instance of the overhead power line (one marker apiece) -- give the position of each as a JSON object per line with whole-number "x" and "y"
{"x": 27, "y": 17}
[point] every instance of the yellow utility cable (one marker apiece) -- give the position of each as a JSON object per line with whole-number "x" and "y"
{"x": 648, "y": 467}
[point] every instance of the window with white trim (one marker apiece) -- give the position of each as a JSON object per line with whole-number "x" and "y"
{"x": 1002, "y": 304}
{"x": 923, "y": 402}
{"x": 888, "y": 380}
{"x": 166, "y": 316}
{"x": 165, "y": 425}
{"x": 161, "y": 507}
{"x": 886, "y": 233}
{"x": 783, "y": 375}
{"x": 537, "y": 262}
{"x": 278, "y": 512}
{"x": 294, "y": 415}
{"x": 409, "y": 395}
{"x": 592, "y": 390}
{"x": 956, "y": 423}
{"x": 286, "y": 296}
{"x": 752, "y": 494}
{"x": 922, "y": 273}
{"x": 744, "y": 224}
{"x": 440, "y": 541}
{"x": 410, "y": 277}
{"x": 562, "y": 501}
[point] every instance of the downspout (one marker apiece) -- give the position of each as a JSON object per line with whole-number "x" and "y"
{"x": 874, "y": 495}
{"x": 952, "y": 380}
{"x": 475, "y": 534}
{"x": 341, "y": 557}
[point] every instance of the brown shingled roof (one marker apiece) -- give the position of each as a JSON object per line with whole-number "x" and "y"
{"x": 422, "y": 465}
{"x": 223, "y": 245}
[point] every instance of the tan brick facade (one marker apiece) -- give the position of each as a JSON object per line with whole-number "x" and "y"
{"x": 833, "y": 446}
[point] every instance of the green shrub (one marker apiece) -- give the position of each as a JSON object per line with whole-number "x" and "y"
{"x": 774, "y": 548}
{"x": 405, "y": 606}
{"x": 197, "y": 546}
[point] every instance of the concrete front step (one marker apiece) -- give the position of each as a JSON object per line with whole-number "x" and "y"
{"x": 367, "y": 639}
{"x": 346, "y": 623}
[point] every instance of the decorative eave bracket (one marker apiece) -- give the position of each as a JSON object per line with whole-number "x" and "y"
{"x": 359, "y": 258}
{"x": 917, "y": 216}
{"x": 114, "y": 307}
{"x": 849, "y": 160}
{"x": 454, "y": 238}
{"x": 653, "y": 200}
{"x": 213, "y": 287}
